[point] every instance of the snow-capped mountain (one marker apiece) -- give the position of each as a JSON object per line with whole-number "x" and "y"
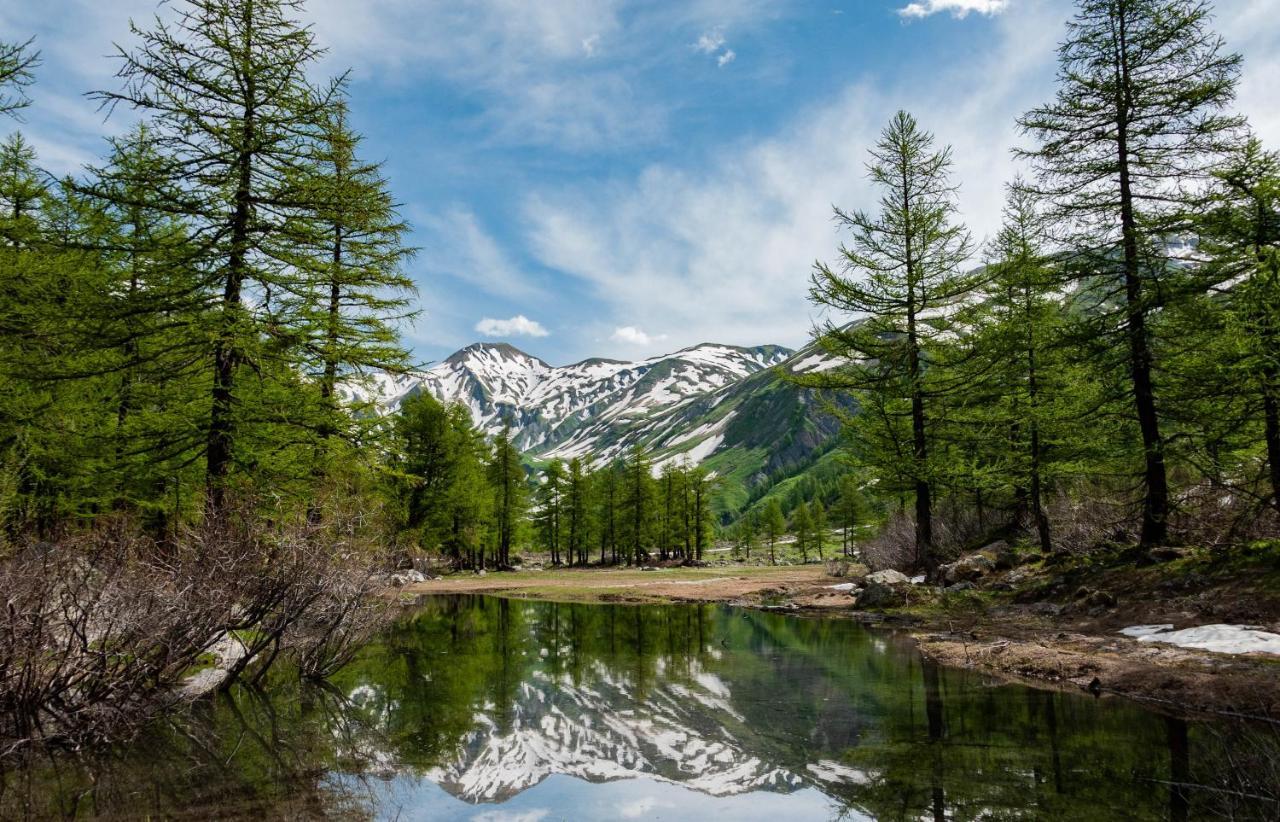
{"x": 547, "y": 406}
{"x": 677, "y": 733}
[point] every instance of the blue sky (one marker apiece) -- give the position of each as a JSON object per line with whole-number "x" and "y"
{"x": 628, "y": 177}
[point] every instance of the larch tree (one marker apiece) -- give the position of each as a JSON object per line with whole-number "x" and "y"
{"x": 901, "y": 272}
{"x": 231, "y": 109}
{"x": 352, "y": 243}
{"x": 507, "y": 484}
{"x": 773, "y": 525}
{"x": 1014, "y": 330}
{"x": 18, "y": 62}
{"x": 1240, "y": 236}
{"x": 1121, "y": 156}
{"x": 551, "y": 509}
{"x": 577, "y": 511}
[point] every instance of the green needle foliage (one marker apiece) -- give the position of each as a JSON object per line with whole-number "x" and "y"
{"x": 1121, "y": 154}
{"x": 900, "y": 273}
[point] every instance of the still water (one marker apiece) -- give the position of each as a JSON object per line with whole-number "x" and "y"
{"x": 489, "y": 709}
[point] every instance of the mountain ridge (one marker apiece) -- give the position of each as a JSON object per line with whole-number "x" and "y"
{"x": 725, "y": 407}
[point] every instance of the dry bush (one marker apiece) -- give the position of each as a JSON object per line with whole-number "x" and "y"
{"x": 1085, "y": 521}
{"x": 98, "y": 631}
{"x": 1212, "y": 515}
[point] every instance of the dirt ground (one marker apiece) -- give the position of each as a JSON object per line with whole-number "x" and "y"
{"x": 1067, "y": 646}
{"x": 715, "y": 584}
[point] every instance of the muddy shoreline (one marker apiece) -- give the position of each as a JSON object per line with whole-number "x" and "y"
{"x": 1014, "y": 642}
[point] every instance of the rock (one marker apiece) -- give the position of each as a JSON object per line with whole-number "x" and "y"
{"x": 1003, "y": 554}
{"x": 1019, "y": 575}
{"x": 884, "y": 589}
{"x": 1101, "y": 599}
{"x": 1167, "y": 553}
{"x": 404, "y": 578}
{"x": 1050, "y": 609}
{"x": 967, "y": 569}
{"x": 1094, "y": 599}
{"x": 480, "y": 573}
{"x": 960, "y": 586}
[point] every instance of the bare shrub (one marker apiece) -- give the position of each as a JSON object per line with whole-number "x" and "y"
{"x": 1082, "y": 522}
{"x": 97, "y": 631}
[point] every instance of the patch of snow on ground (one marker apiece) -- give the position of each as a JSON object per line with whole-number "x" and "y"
{"x": 1224, "y": 639}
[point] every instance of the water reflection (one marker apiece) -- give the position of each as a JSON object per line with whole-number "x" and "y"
{"x": 485, "y": 708}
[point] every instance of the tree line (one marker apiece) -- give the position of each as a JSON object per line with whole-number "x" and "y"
{"x": 1116, "y": 354}
{"x": 474, "y": 500}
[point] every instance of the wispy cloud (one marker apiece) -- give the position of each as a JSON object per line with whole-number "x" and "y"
{"x": 957, "y": 8}
{"x": 456, "y": 245}
{"x": 726, "y": 58}
{"x": 724, "y": 251}
{"x": 517, "y": 326}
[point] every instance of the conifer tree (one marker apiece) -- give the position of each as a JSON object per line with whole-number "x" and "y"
{"x": 773, "y": 525}
{"x": 850, "y": 511}
{"x": 507, "y": 483}
{"x": 1013, "y": 332}
{"x": 18, "y": 62}
{"x": 235, "y": 117}
{"x": 551, "y": 505}
{"x": 901, "y": 271}
{"x": 637, "y": 504}
{"x": 1240, "y": 238}
{"x": 1122, "y": 154}
{"x": 802, "y": 527}
{"x": 576, "y": 512}
{"x": 818, "y": 519}
{"x": 352, "y": 247}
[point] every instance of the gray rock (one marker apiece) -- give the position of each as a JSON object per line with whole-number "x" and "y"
{"x": 960, "y": 586}
{"x": 884, "y": 589}
{"x": 967, "y": 569}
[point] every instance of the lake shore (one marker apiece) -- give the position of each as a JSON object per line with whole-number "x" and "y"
{"x": 1034, "y": 641}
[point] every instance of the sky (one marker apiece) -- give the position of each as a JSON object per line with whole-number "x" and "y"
{"x": 625, "y": 178}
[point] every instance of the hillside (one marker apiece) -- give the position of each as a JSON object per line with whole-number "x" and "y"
{"x": 724, "y": 407}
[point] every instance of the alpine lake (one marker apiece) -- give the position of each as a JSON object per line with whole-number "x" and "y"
{"x": 482, "y": 708}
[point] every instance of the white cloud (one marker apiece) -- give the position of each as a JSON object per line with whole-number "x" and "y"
{"x": 517, "y": 326}
{"x": 957, "y": 8}
{"x": 710, "y": 42}
{"x": 591, "y": 45}
{"x": 726, "y": 58}
{"x": 631, "y": 335}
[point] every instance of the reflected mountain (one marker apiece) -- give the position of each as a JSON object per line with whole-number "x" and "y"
{"x": 475, "y": 707}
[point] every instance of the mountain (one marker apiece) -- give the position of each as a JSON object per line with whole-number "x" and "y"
{"x": 722, "y": 406}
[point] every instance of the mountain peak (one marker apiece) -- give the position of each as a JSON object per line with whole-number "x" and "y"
{"x": 500, "y": 350}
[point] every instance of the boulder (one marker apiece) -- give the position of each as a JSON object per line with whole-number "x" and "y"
{"x": 967, "y": 569}
{"x": 407, "y": 578}
{"x": 960, "y": 586}
{"x": 884, "y": 589}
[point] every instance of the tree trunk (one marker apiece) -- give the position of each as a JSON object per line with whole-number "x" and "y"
{"x": 1155, "y": 505}
{"x": 1271, "y": 414}
{"x": 227, "y": 354}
